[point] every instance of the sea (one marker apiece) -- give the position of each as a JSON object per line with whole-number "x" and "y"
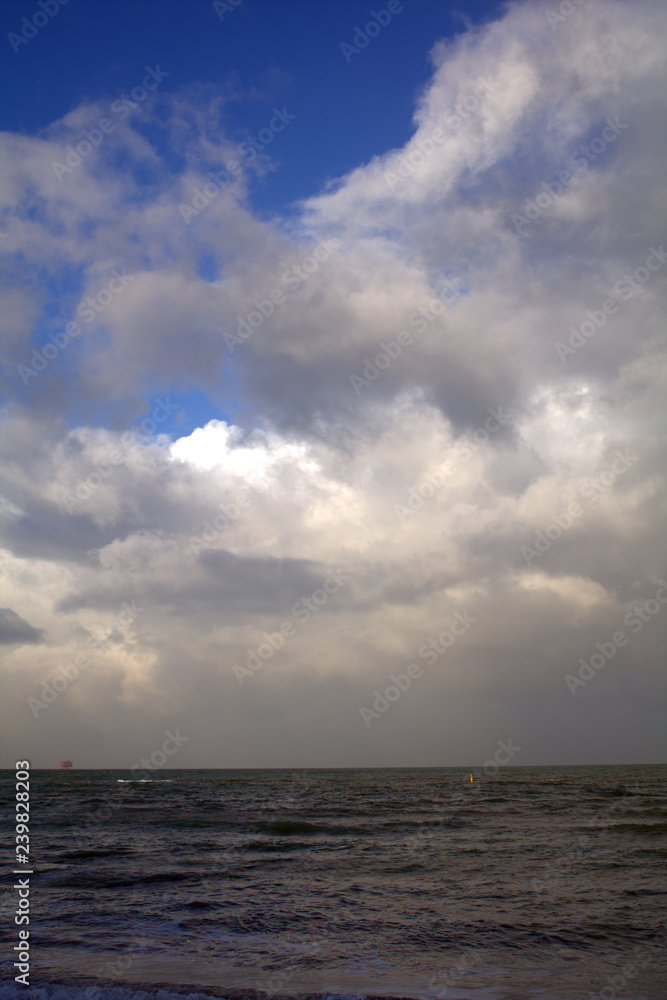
{"x": 529, "y": 882}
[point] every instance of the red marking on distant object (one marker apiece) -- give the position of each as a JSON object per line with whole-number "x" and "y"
{"x": 66, "y": 765}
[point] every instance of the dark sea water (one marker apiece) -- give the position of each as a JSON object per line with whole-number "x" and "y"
{"x": 537, "y": 882}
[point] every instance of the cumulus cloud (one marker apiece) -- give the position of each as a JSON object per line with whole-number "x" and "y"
{"x": 402, "y": 415}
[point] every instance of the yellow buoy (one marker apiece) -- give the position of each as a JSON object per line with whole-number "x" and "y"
{"x": 471, "y": 777}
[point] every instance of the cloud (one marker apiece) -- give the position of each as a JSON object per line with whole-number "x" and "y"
{"x": 467, "y": 439}
{"x": 15, "y": 630}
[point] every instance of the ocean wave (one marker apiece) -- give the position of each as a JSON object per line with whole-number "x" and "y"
{"x": 273, "y": 845}
{"x": 648, "y": 829}
{"x": 97, "y": 879}
{"x": 287, "y": 827}
{"x": 95, "y": 853}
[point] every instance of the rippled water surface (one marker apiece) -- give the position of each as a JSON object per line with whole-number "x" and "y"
{"x": 536, "y": 882}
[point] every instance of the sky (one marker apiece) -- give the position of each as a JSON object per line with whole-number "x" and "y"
{"x": 333, "y": 383}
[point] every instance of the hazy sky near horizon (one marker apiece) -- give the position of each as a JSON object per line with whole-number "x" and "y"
{"x": 320, "y": 343}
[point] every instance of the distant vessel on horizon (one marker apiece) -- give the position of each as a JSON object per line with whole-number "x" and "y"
{"x": 66, "y": 765}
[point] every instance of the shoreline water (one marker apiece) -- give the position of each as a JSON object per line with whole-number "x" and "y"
{"x": 534, "y": 884}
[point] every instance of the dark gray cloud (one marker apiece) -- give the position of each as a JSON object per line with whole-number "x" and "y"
{"x": 15, "y": 630}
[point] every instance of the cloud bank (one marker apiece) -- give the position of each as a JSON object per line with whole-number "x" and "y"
{"x": 444, "y": 377}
